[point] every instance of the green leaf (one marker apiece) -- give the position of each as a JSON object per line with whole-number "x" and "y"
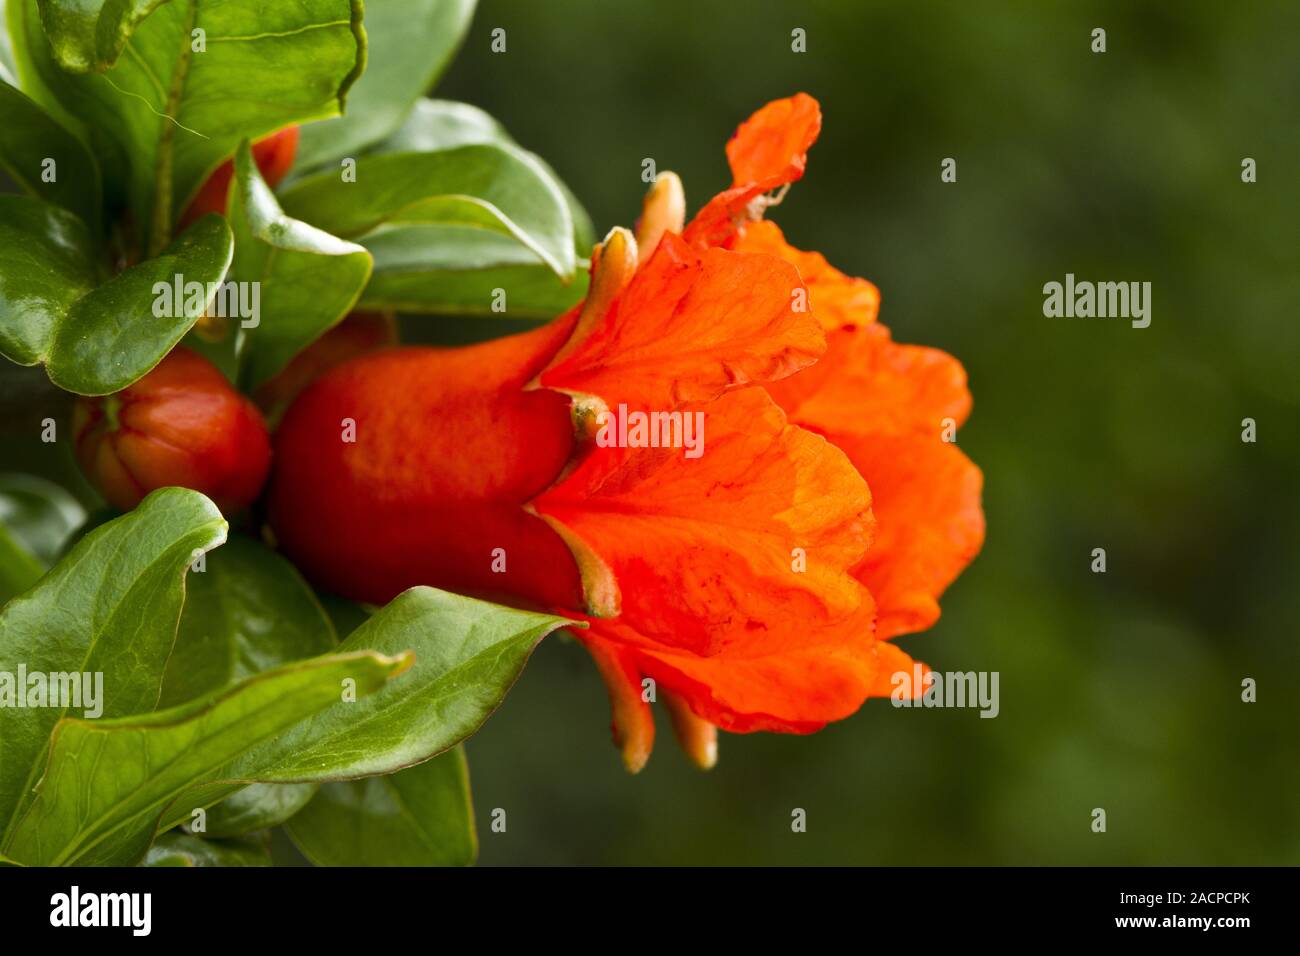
{"x": 421, "y": 816}
{"x": 498, "y": 188}
{"x": 97, "y": 518}
{"x": 435, "y": 125}
{"x": 248, "y": 611}
{"x": 445, "y": 124}
{"x": 8, "y": 64}
{"x": 85, "y": 36}
{"x": 468, "y": 654}
{"x": 19, "y": 568}
{"x": 47, "y": 263}
{"x": 164, "y": 116}
{"x": 110, "y": 607}
{"x": 110, "y": 337}
{"x": 36, "y": 517}
{"x": 40, "y": 514}
{"x": 258, "y": 806}
{"x": 108, "y": 781}
{"x": 32, "y": 140}
{"x": 94, "y": 339}
{"x": 411, "y": 43}
{"x": 182, "y": 849}
{"x": 308, "y": 279}
{"x": 453, "y": 270}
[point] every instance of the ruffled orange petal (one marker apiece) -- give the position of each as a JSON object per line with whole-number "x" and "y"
{"x": 771, "y": 147}
{"x": 892, "y": 660}
{"x": 689, "y": 326}
{"x": 867, "y": 384}
{"x": 769, "y": 150}
{"x": 838, "y": 300}
{"x": 704, "y": 549}
{"x": 886, "y": 405}
{"x": 821, "y": 674}
{"x": 926, "y": 498}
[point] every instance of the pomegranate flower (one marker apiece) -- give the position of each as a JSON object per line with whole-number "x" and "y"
{"x": 751, "y": 582}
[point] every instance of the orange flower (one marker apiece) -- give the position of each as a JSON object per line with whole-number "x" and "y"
{"x": 743, "y": 582}
{"x": 892, "y": 408}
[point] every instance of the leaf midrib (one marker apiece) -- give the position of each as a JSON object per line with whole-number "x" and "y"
{"x": 163, "y": 186}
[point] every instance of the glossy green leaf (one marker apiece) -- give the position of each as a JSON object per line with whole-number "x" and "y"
{"x": 36, "y": 517}
{"x": 19, "y": 568}
{"x": 165, "y": 115}
{"x": 258, "y": 806}
{"x": 111, "y": 336}
{"x": 435, "y": 125}
{"x": 445, "y": 124}
{"x": 308, "y": 279}
{"x": 421, "y": 816}
{"x": 468, "y": 654}
{"x": 47, "y": 263}
{"x": 94, "y": 339}
{"x": 108, "y": 781}
{"x": 453, "y": 270}
{"x": 36, "y": 148}
{"x": 89, "y": 34}
{"x": 410, "y": 43}
{"x": 40, "y": 514}
{"x": 183, "y": 849}
{"x": 248, "y": 611}
{"x": 493, "y": 187}
{"x": 100, "y": 516}
{"x": 8, "y": 64}
{"x": 111, "y": 607}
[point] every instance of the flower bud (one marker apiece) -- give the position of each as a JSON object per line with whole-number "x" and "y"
{"x": 182, "y": 424}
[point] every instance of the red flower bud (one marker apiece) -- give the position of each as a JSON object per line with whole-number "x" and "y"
{"x": 273, "y": 155}
{"x": 182, "y": 424}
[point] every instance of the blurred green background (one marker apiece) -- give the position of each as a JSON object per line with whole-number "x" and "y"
{"x": 1119, "y": 690}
